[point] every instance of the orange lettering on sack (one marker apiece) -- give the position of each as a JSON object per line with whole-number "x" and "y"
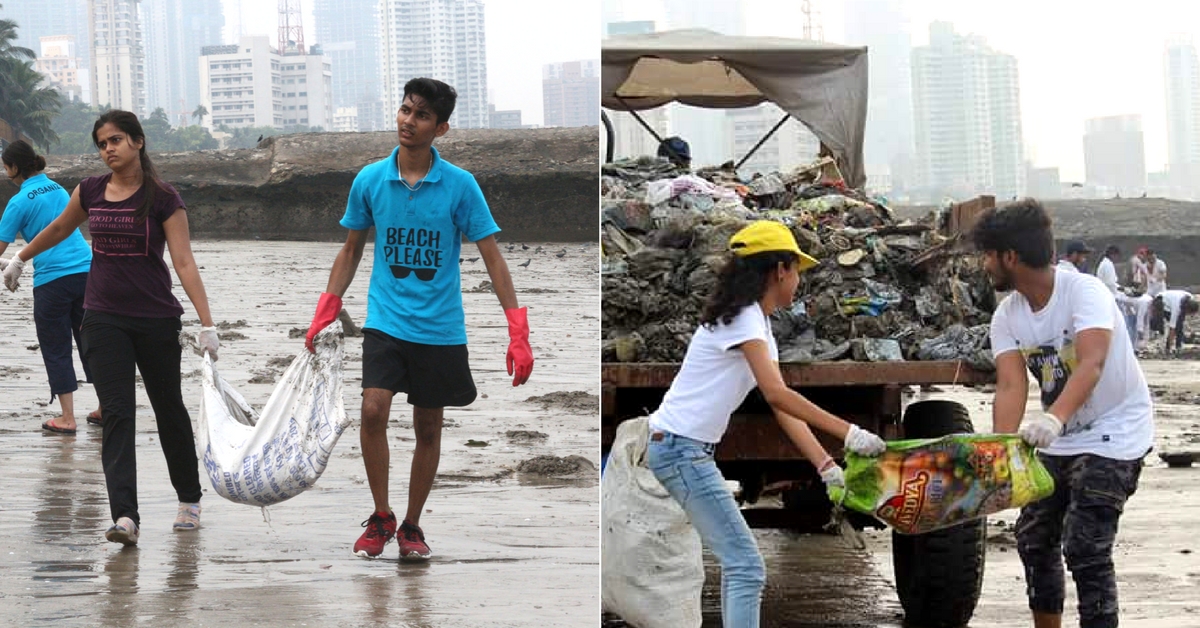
{"x": 914, "y": 499}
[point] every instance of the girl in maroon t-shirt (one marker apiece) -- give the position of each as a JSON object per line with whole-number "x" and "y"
{"x": 131, "y": 318}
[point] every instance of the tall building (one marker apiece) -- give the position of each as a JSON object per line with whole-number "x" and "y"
{"x": 967, "y": 117}
{"x": 1182, "y": 77}
{"x": 59, "y": 63}
{"x": 1114, "y": 154}
{"x": 345, "y": 120}
{"x": 46, "y": 18}
{"x": 251, "y": 84}
{"x": 349, "y": 33}
{"x": 439, "y": 39}
{"x": 571, "y": 93}
{"x": 175, "y": 31}
{"x": 504, "y": 118}
{"x": 118, "y": 70}
{"x": 882, "y": 26}
{"x": 790, "y": 146}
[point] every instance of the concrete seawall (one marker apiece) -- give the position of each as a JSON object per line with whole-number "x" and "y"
{"x": 541, "y": 184}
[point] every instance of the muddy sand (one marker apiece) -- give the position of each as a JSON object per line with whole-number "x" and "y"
{"x": 514, "y": 533}
{"x": 821, "y": 581}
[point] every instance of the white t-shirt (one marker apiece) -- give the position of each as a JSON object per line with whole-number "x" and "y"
{"x": 1172, "y": 305}
{"x": 1107, "y": 274}
{"x": 1158, "y": 278}
{"x": 1065, "y": 264}
{"x": 1117, "y": 420}
{"x": 1138, "y": 271}
{"x": 714, "y": 378}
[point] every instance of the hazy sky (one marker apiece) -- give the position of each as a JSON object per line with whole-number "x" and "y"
{"x": 522, "y": 35}
{"x": 1077, "y": 58}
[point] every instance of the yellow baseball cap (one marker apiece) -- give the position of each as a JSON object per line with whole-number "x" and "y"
{"x": 762, "y": 236}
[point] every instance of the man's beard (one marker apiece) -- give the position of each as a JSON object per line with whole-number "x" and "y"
{"x": 1001, "y": 282}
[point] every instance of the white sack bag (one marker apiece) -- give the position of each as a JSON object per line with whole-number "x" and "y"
{"x": 264, "y": 459}
{"x": 651, "y": 567}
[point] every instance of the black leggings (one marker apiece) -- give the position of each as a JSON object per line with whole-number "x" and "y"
{"x": 113, "y": 346}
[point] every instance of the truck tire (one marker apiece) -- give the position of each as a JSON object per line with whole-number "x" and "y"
{"x": 939, "y": 575}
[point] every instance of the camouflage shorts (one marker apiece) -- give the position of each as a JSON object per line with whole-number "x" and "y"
{"x": 1078, "y": 522}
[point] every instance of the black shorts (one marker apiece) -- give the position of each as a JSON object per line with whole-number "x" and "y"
{"x": 434, "y": 376}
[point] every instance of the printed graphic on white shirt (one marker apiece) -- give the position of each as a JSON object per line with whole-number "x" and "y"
{"x": 1051, "y": 367}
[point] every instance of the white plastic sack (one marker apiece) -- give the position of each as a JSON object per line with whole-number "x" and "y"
{"x": 265, "y": 459}
{"x": 651, "y": 567}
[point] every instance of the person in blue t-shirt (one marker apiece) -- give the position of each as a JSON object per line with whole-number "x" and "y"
{"x": 59, "y": 275}
{"x": 415, "y": 336}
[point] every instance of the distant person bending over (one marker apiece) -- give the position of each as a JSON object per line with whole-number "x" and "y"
{"x": 1174, "y": 306}
{"x": 731, "y": 352}
{"x": 132, "y": 320}
{"x": 1096, "y": 420}
{"x": 1076, "y": 258}
{"x": 59, "y": 275}
{"x": 415, "y": 335}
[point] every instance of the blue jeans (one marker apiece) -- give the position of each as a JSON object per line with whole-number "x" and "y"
{"x": 686, "y": 468}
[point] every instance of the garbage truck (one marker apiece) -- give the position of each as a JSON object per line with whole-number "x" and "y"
{"x": 938, "y": 575}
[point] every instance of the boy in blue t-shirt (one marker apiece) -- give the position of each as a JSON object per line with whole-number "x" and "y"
{"x": 415, "y": 337}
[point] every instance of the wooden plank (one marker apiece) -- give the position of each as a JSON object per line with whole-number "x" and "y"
{"x": 660, "y": 374}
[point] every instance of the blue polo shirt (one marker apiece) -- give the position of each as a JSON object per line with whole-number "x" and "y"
{"x": 415, "y": 291}
{"x": 38, "y": 203}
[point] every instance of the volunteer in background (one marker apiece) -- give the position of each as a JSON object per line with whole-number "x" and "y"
{"x": 1076, "y": 258}
{"x": 1156, "y": 274}
{"x": 1139, "y": 273}
{"x": 132, "y": 320}
{"x": 732, "y": 351}
{"x": 677, "y": 151}
{"x": 59, "y": 275}
{"x": 1096, "y": 420}
{"x": 1173, "y": 306}
{"x": 415, "y": 335}
{"x": 1106, "y": 272}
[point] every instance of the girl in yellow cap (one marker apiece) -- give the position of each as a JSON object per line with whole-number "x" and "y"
{"x": 731, "y": 352}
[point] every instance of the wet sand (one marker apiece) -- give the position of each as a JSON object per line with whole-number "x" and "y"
{"x": 511, "y": 548}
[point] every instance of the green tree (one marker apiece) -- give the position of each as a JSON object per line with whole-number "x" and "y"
{"x": 193, "y": 138}
{"x": 74, "y": 127}
{"x": 247, "y": 136}
{"x": 28, "y": 108}
{"x": 199, "y": 113}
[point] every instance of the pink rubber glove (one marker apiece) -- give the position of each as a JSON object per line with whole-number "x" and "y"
{"x": 328, "y": 308}
{"x": 520, "y": 355}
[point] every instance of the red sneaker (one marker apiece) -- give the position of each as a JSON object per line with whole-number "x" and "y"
{"x": 412, "y": 543}
{"x": 381, "y": 527}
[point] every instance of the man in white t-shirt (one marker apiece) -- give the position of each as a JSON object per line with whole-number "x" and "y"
{"x": 1096, "y": 421}
{"x": 1106, "y": 272}
{"x": 1173, "y": 306}
{"x": 1076, "y": 257}
{"x": 1156, "y": 274}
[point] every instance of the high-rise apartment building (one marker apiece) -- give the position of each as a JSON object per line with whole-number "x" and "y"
{"x": 967, "y": 117}
{"x": 251, "y": 84}
{"x": 1114, "y": 154}
{"x": 504, "y": 119}
{"x": 571, "y": 93}
{"x": 439, "y": 39}
{"x": 118, "y": 72}
{"x": 46, "y": 18}
{"x": 349, "y": 34}
{"x": 791, "y": 145}
{"x": 59, "y": 63}
{"x": 175, "y": 31}
{"x": 630, "y": 139}
{"x": 882, "y": 26}
{"x": 1182, "y": 78}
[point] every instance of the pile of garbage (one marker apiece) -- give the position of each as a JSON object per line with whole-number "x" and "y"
{"x": 885, "y": 290}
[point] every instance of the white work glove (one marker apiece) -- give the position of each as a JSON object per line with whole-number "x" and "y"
{"x": 1040, "y": 429}
{"x": 12, "y": 272}
{"x": 207, "y": 341}
{"x": 832, "y": 474}
{"x": 864, "y": 443}
{"x": 3, "y": 264}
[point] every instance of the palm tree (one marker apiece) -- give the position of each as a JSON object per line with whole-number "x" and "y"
{"x": 199, "y": 114}
{"x": 28, "y": 108}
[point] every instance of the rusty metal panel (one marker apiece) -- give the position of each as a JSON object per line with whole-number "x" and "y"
{"x": 660, "y": 374}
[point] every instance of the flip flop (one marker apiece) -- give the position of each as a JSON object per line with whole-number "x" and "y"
{"x": 50, "y": 427}
{"x": 94, "y": 419}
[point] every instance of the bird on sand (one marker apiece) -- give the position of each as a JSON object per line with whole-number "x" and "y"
{"x": 472, "y": 259}
{"x": 561, "y": 254}
{"x": 526, "y": 264}
{"x": 538, "y": 250}
{"x": 260, "y": 138}
{"x": 524, "y": 247}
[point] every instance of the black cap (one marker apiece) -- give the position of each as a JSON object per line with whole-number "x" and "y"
{"x": 1077, "y": 246}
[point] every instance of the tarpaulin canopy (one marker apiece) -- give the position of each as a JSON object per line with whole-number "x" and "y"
{"x": 824, "y": 86}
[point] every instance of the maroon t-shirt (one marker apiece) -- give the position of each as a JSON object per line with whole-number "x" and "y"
{"x": 129, "y": 276}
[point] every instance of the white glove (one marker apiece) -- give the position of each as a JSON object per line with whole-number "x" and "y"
{"x": 832, "y": 474}
{"x": 1040, "y": 429}
{"x": 864, "y": 443}
{"x": 12, "y": 272}
{"x": 207, "y": 341}
{"x": 3, "y": 264}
